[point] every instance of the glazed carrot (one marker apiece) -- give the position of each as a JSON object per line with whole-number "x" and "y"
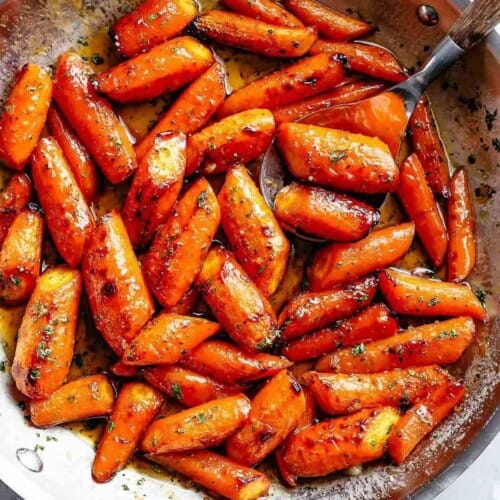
{"x": 151, "y": 23}
{"x": 199, "y": 427}
{"x": 68, "y": 216}
{"x": 429, "y": 148}
{"x": 93, "y": 120}
{"x": 330, "y": 23}
{"x": 187, "y": 387}
{"x": 296, "y": 82}
{"x": 337, "y": 394}
{"x": 167, "y": 338}
{"x": 186, "y": 303}
{"x": 264, "y": 10}
{"x": 46, "y": 337}
{"x": 342, "y": 160}
{"x": 275, "y": 412}
{"x": 416, "y": 296}
{"x": 341, "y": 94}
{"x": 236, "y": 302}
{"x": 164, "y": 68}
{"x": 441, "y": 343}
{"x": 253, "y": 35}
{"x": 231, "y": 365}
{"x": 24, "y": 115}
{"x": 136, "y": 406}
{"x": 21, "y": 257}
{"x": 461, "y": 228}
{"x": 314, "y": 210}
{"x": 119, "y": 300}
{"x": 339, "y": 443}
{"x": 311, "y": 311}
{"x": 419, "y": 420}
{"x": 217, "y": 473}
{"x": 420, "y": 205}
{"x": 86, "y": 397}
{"x": 120, "y": 369}
{"x": 253, "y": 232}
{"x": 341, "y": 262}
{"x": 373, "y": 323}
{"x": 236, "y": 139}
{"x": 371, "y": 60}
{"x": 155, "y": 187}
{"x": 182, "y": 243}
{"x": 76, "y": 154}
{"x": 192, "y": 109}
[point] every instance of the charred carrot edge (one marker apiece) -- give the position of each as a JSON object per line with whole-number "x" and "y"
{"x": 341, "y": 262}
{"x": 196, "y": 428}
{"x": 264, "y": 10}
{"x": 136, "y": 406}
{"x": 120, "y": 369}
{"x": 416, "y": 296}
{"x": 24, "y": 115}
{"x": 86, "y": 397}
{"x": 461, "y": 228}
{"x": 436, "y": 343}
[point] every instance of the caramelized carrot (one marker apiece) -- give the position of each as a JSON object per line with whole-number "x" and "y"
{"x": 296, "y": 82}
{"x": 68, "y": 216}
{"x": 419, "y": 420}
{"x": 151, "y": 23}
{"x": 164, "y": 68}
{"x": 199, "y": 427}
{"x": 136, "y": 406}
{"x": 461, "y": 227}
{"x": 120, "y": 369}
{"x": 182, "y": 243}
{"x": 264, "y": 10}
{"x": 416, "y": 296}
{"x": 342, "y": 160}
{"x": 254, "y": 234}
{"x": 24, "y": 115}
{"x": 236, "y": 302}
{"x": 93, "y": 120}
{"x": 310, "y": 311}
{"x": 119, "y": 300}
{"x": 441, "y": 343}
{"x": 341, "y": 262}
{"x": 186, "y": 303}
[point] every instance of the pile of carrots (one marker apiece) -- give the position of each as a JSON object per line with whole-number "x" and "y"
{"x": 366, "y": 388}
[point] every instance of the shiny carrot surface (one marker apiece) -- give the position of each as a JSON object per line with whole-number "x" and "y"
{"x": 264, "y": 10}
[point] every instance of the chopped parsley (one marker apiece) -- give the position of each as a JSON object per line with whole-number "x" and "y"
{"x": 481, "y": 296}
{"x": 96, "y": 59}
{"x": 337, "y": 155}
{"x": 177, "y": 391}
{"x": 358, "y": 349}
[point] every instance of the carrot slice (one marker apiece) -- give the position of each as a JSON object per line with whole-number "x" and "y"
{"x": 120, "y": 369}
{"x": 186, "y": 303}
{"x": 264, "y": 10}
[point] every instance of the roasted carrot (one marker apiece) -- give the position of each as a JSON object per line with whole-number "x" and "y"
{"x": 186, "y": 303}
{"x": 311, "y": 311}
{"x": 253, "y": 35}
{"x": 337, "y": 394}
{"x": 236, "y": 139}
{"x": 192, "y": 109}
{"x": 119, "y": 300}
{"x": 461, "y": 228}
{"x": 341, "y": 262}
{"x": 120, "y": 369}
{"x": 296, "y": 82}
{"x": 420, "y": 205}
{"x": 441, "y": 343}
{"x": 236, "y": 302}
{"x": 21, "y": 257}
{"x": 342, "y": 160}
{"x": 182, "y": 243}
{"x": 417, "y": 296}
{"x": 24, "y": 115}
{"x": 92, "y": 118}
{"x": 164, "y": 68}
{"x": 231, "y": 365}
{"x": 373, "y": 323}
{"x": 136, "y": 406}
{"x": 264, "y": 10}
{"x": 199, "y": 427}
{"x": 69, "y": 219}
{"x": 76, "y": 154}
{"x": 151, "y": 23}
{"x": 326, "y": 214}
{"x": 254, "y": 234}
{"x": 217, "y": 473}
{"x": 419, "y": 420}
{"x": 155, "y": 187}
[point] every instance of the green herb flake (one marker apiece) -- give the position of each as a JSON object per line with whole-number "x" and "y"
{"x": 96, "y": 59}
{"x": 81, "y": 41}
{"x": 125, "y": 487}
{"x": 177, "y": 391}
{"x": 3, "y": 365}
{"x": 480, "y": 293}
{"x": 358, "y": 349}
{"x": 202, "y": 199}
{"x": 111, "y": 426}
{"x": 433, "y": 302}
{"x": 200, "y": 418}
{"x": 337, "y": 155}
{"x": 42, "y": 351}
{"x": 34, "y": 374}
